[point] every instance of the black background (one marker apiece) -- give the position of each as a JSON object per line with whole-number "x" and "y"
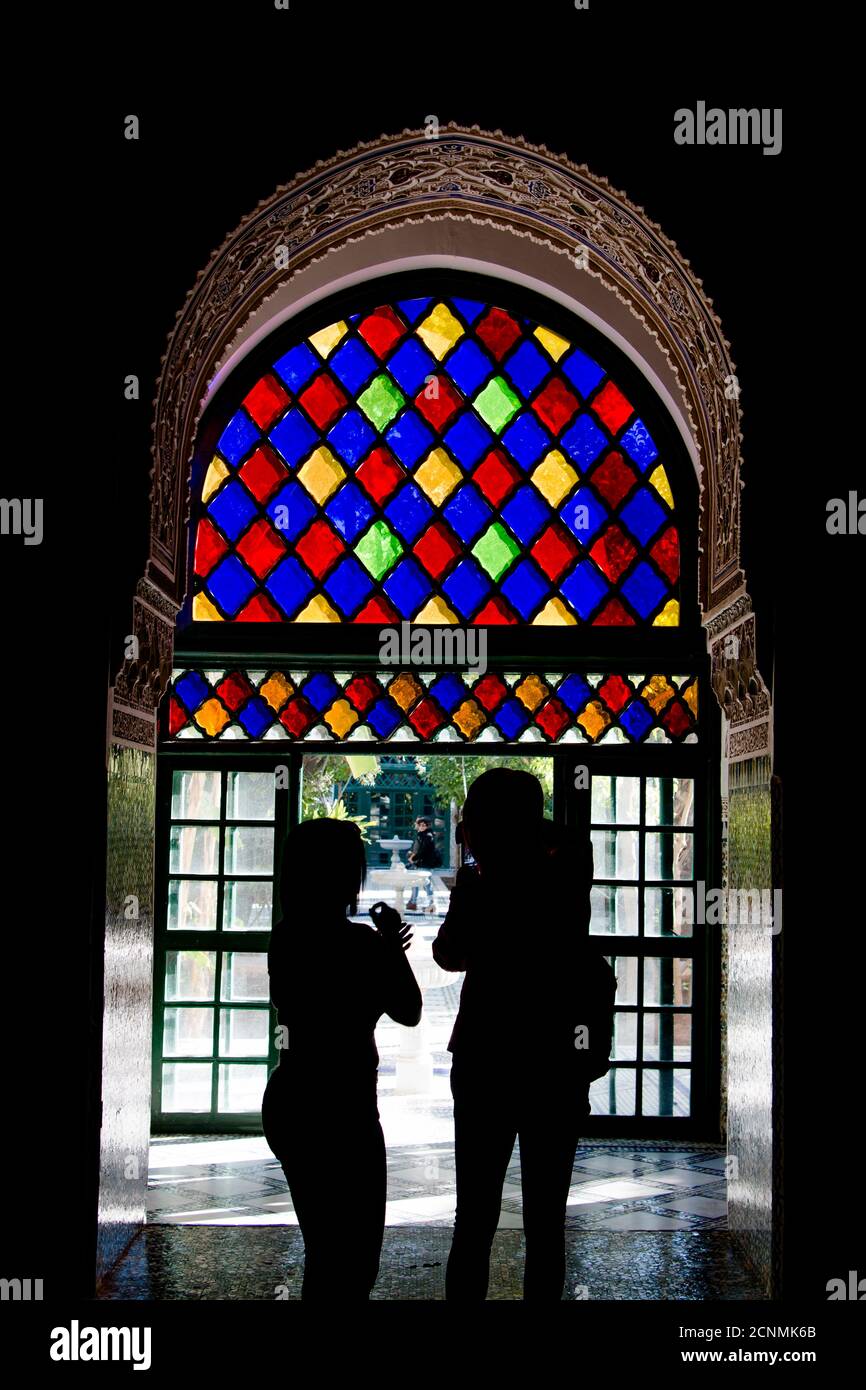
{"x": 235, "y": 100}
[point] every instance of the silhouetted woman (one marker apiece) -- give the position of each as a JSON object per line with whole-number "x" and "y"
{"x": 533, "y": 1029}
{"x": 331, "y": 980}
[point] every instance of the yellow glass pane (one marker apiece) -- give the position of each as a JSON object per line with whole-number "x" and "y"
{"x": 469, "y": 718}
{"x": 594, "y": 720}
{"x": 657, "y": 692}
{"x": 531, "y": 691}
{"x": 555, "y": 345}
{"x": 212, "y": 717}
{"x": 438, "y": 476}
{"x": 318, "y": 610}
{"x": 340, "y": 718}
{"x": 203, "y": 611}
{"x": 659, "y": 480}
{"x": 554, "y": 477}
{"x": 216, "y": 473}
{"x": 327, "y": 338}
{"x": 276, "y": 690}
{"x": 436, "y": 610}
{"x": 405, "y": 690}
{"x": 440, "y": 331}
{"x": 322, "y": 474}
{"x": 669, "y": 616}
{"x": 690, "y": 695}
{"x": 554, "y": 614}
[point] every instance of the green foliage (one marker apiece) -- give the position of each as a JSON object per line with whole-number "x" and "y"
{"x": 453, "y": 776}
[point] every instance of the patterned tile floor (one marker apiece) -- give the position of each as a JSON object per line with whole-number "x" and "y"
{"x": 627, "y": 1185}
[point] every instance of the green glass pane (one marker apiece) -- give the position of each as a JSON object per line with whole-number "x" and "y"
{"x": 381, "y": 401}
{"x": 497, "y": 404}
{"x": 379, "y": 549}
{"x": 496, "y": 550}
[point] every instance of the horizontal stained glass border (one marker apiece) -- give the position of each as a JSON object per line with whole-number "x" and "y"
{"x": 411, "y": 706}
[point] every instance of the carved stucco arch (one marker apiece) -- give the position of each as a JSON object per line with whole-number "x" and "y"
{"x": 511, "y": 206}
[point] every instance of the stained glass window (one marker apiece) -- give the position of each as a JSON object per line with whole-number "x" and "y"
{"x": 444, "y": 707}
{"x": 437, "y": 460}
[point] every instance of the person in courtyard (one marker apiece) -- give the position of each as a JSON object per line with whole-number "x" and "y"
{"x": 423, "y": 856}
{"x": 331, "y": 979}
{"x": 533, "y": 1030}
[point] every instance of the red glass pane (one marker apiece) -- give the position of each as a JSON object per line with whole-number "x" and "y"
{"x": 676, "y": 719}
{"x": 554, "y": 551}
{"x": 363, "y": 691}
{"x": 376, "y": 610}
{"x": 298, "y": 716}
{"x": 613, "y": 553}
{"x": 496, "y": 476}
{"x": 234, "y": 690}
{"x": 490, "y": 691}
{"x": 666, "y": 553}
{"x": 437, "y": 548}
{"x": 497, "y": 331}
{"x": 426, "y": 717}
{"x": 209, "y": 547}
{"x": 266, "y": 401}
{"x": 613, "y": 615}
{"x": 261, "y": 547}
{"x": 615, "y": 693}
{"x": 611, "y": 406}
{"x": 259, "y": 610}
{"x": 323, "y": 400}
{"x": 613, "y": 478}
{"x": 177, "y": 716}
{"x": 381, "y": 330}
{"x": 438, "y": 409}
{"x": 495, "y": 610}
{"x": 379, "y": 474}
{"x": 263, "y": 472}
{"x": 320, "y": 548}
{"x": 555, "y": 405}
{"x": 553, "y": 718}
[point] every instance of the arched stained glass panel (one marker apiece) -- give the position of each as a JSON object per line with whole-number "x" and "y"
{"x": 438, "y": 460}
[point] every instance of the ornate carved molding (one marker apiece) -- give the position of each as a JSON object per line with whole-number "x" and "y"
{"x": 734, "y": 675}
{"x": 481, "y": 177}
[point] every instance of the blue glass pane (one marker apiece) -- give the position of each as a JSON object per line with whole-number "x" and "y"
{"x": 351, "y": 437}
{"x": 193, "y": 689}
{"x": 583, "y": 514}
{"x": 584, "y": 588}
{"x": 407, "y": 587}
{"x": 349, "y": 511}
{"x": 635, "y": 719}
{"x": 642, "y": 515}
{"x": 291, "y": 510}
{"x": 238, "y": 437}
{"x": 409, "y": 437}
{"x": 638, "y": 444}
{"x": 526, "y": 513}
{"x": 348, "y": 585}
{"x": 468, "y": 367}
{"x": 468, "y": 439}
{"x": 297, "y": 366}
{"x": 467, "y": 512}
{"x": 466, "y": 587}
{"x": 409, "y": 511}
{"x": 384, "y": 717}
{"x": 511, "y": 718}
{"x": 233, "y": 509}
{"x": 584, "y": 441}
{"x": 411, "y": 365}
{"x": 412, "y": 309}
{"x": 231, "y": 584}
{"x": 582, "y": 371}
{"x": 289, "y": 584}
{"x": 256, "y": 716}
{"x": 353, "y": 365}
{"x": 449, "y": 690}
{"x": 574, "y": 692}
{"x": 527, "y": 368}
{"x": 644, "y": 590}
{"x": 294, "y": 437}
{"x": 469, "y": 309}
{"x": 321, "y": 690}
{"x": 525, "y": 588}
{"x": 525, "y": 440}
